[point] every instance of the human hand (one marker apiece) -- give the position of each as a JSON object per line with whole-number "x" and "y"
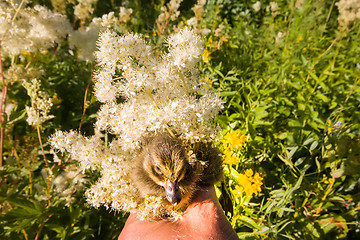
{"x": 203, "y": 219}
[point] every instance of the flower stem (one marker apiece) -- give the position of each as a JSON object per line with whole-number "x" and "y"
{"x": 331, "y": 8}
{"x": 41, "y": 145}
{"x": 46, "y": 163}
{"x": 41, "y": 227}
{"x": 85, "y": 100}
{"x": 184, "y": 82}
{"x": 331, "y": 184}
{"x": 18, "y": 10}
{"x": 2, "y": 110}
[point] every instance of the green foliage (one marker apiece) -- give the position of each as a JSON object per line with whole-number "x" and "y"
{"x": 289, "y": 79}
{"x": 296, "y": 95}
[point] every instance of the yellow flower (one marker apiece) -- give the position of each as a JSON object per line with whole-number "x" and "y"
{"x": 206, "y": 55}
{"x": 250, "y": 182}
{"x": 56, "y": 100}
{"x": 238, "y": 191}
{"x": 209, "y": 81}
{"x": 249, "y": 172}
{"x": 26, "y": 53}
{"x": 224, "y": 39}
{"x": 234, "y": 139}
{"x": 329, "y": 127}
{"x": 229, "y": 158}
{"x": 299, "y": 39}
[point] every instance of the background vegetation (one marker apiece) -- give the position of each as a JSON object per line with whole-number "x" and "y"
{"x": 288, "y": 72}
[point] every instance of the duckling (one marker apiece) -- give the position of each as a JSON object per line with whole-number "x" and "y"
{"x": 163, "y": 169}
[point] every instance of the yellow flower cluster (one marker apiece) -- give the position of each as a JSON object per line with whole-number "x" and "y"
{"x": 335, "y": 127}
{"x": 249, "y": 183}
{"x": 232, "y": 142}
{"x": 327, "y": 180}
{"x": 207, "y": 82}
{"x": 206, "y": 55}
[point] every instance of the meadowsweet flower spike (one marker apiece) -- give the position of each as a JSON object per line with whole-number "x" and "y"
{"x": 30, "y": 29}
{"x": 159, "y": 94}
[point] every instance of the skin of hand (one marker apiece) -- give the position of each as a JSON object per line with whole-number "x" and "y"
{"x": 203, "y": 219}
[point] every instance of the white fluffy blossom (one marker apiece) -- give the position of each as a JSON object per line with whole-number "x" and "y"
{"x": 273, "y": 7}
{"x": 168, "y": 13}
{"x": 85, "y": 38}
{"x": 41, "y": 103}
{"x": 124, "y": 14}
{"x": 349, "y": 11}
{"x": 31, "y": 30}
{"x": 257, "y": 6}
{"x": 141, "y": 95}
{"x": 84, "y": 8}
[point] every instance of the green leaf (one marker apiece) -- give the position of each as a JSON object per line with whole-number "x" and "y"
{"x": 249, "y": 222}
{"x": 219, "y": 73}
{"x": 313, "y": 145}
{"x": 260, "y": 112}
{"x": 308, "y": 141}
{"x": 322, "y": 97}
{"x": 230, "y": 78}
{"x": 226, "y": 94}
{"x": 282, "y": 136}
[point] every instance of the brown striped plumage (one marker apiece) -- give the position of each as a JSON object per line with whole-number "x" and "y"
{"x": 163, "y": 169}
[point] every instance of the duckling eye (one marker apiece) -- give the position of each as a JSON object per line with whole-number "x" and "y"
{"x": 157, "y": 169}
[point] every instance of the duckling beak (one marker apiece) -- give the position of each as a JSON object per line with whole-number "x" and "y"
{"x": 172, "y": 192}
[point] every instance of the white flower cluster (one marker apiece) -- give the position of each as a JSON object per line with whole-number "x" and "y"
{"x": 257, "y": 6}
{"x": 60, "y": 5}
{"x": 349, "y": 11}
{"x": 158, "y": 92}
{"x": 30, "y": 29}
{"x": 142, "y": 94}
{"x": 273, "y": 8}
{"x": 84, "y": 39}
{"x": 125, "y": 13}
{"x": 84, "y": 9}
{"x": 198, "y": 10}
{"x": 41, "y": 103}
{"x": 168, "y": 13}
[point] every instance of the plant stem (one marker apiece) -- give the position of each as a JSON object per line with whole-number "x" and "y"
{"x": 332, "y": 181}
{"x": 85, "y": 100}
{"x": 184, "y": 82}
{"x": 18, "y": 10}
{"x": 321, "y": 55}
{"x": 25, "y": 235}
{"x": 41, "y": 145}
{"x": 2, "y": 110}
{"x": 46, "y": 163}
{"x": 41, "y": 227}
{"x": 331, "y": 8}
